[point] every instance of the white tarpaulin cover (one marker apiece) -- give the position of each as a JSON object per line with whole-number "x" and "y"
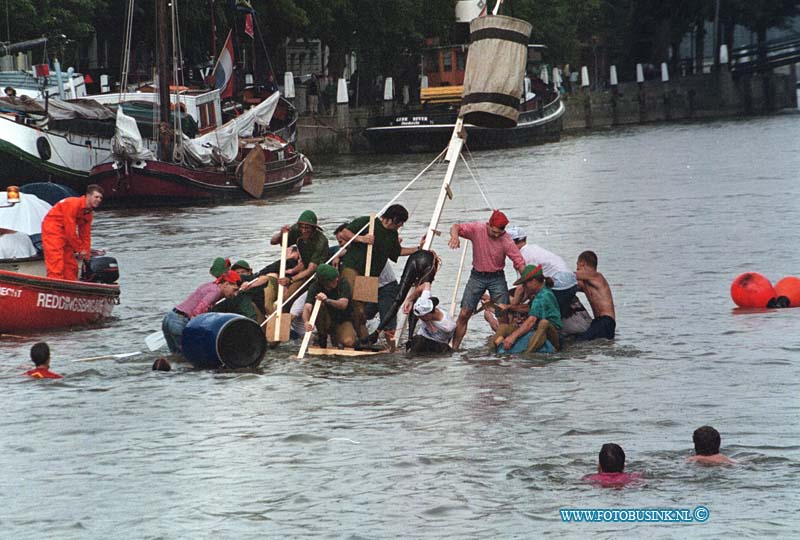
{"x": 221, "y": 146}
{"x": 16, "y": 246}
{"x": 26, "y": 216}
{"x": 127, "y": 141}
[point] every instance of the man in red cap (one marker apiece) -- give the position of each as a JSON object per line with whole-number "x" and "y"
{"x": 490, "y": 247}
{"x": 67, "y": 233}
{"x": 199, "y": 302}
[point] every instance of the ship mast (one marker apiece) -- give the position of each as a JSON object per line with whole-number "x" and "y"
{"x": 163, "y": 79}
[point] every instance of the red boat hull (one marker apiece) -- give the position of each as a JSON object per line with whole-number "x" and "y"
{"x": 29, "y": 303}
{"x": 150, "y": 183}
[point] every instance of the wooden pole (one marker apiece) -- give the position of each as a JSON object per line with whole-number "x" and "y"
{"x": 458, "y": 278}
{"x": 453, "y": 151}
{"x": 307, "y": 337}
{"x": 368, "y": 267}
{"x": 401, "y": 322}
{"x": 281, "y": 275}
{"x": 163, "y": 80}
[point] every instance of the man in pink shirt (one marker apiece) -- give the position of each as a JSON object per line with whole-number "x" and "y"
{"x": 200, "y": 301}
{"x": 610, "y": 468}
{"x": 490, "y": 247}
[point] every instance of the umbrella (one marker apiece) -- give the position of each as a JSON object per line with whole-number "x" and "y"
{"x": 26, "y": 216}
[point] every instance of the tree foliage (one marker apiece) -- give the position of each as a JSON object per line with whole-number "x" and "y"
{"x": 388, "y": 35}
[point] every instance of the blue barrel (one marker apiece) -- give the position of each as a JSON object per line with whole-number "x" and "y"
{"x": 223, "y": 340}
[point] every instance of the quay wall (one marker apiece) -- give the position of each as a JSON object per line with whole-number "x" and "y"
{"x": 709, "y": 95}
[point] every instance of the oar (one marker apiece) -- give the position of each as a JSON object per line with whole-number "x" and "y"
{"x": 155, "y": 341}
{"x": 107, "y": 357}
{"x": 365, "y": 288}
{"x": 307, "y": 337}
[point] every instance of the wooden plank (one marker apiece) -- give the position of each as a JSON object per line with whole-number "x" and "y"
{"x": 365, "y": 288}
{"x": 319, "y": 351}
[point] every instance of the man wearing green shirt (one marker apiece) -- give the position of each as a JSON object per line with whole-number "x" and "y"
{"x": 544, "y": 317}
{"x": 313, "y": 247}
{"x": 385, "y": 246}
{"x": 335, "y": 317}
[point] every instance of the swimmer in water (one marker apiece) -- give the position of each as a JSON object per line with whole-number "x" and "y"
{"x": 40, "y": 356}
{"x": 610, "y": 468}
{"x": 706, "y": 446}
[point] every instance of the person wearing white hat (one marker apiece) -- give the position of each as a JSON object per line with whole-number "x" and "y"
{"x": 436, "y": 330}
{"x": 564, "y": 283}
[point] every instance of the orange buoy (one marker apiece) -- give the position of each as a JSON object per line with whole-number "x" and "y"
{"x": 790, "y": 288}
{"x": 752, "y": 290}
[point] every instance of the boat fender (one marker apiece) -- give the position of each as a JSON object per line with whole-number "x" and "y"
{"x": 43, "y": 147}
{"x": 789, "y": 288}
{"x": 752, "y": 290}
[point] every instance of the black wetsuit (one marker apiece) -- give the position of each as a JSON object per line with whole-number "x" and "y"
{"x": 420, "y": 268}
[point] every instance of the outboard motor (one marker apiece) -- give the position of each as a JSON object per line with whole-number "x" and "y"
{"x": 101, "y": 270}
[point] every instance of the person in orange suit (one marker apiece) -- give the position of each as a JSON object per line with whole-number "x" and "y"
{"x": 67, "y": 233}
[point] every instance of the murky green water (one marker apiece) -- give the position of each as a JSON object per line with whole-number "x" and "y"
{"x": 469, "y": 446}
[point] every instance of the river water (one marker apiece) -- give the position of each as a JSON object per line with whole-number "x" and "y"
{"x": 468, "y": 446}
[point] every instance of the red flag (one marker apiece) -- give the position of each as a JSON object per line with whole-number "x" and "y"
{"x": 223, "y": 71}
{"x": 248, "y": 25}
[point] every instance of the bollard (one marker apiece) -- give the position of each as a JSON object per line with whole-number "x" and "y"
{"x": 612, "y": 76}
{"x": 388, "y": 96}
{"x": 288, "y": 85}
{"x": 556, "y": 79}
{"x": 544, "y": 76}
{"x": 642, "y": 95}
{"x": 723, "y": 54}
{"x": 584, "y": 76}
{"x": 342, "y": 104}
{"x": 665, "y": 80}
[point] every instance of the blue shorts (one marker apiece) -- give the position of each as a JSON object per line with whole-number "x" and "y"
{"x": 479, "y": 283}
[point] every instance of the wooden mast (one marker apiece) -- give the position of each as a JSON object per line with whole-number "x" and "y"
{"x": 163, "y": 80}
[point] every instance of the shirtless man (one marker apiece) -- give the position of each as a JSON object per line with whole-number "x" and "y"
{"x": 706, "y": 446}
{"x": 598, "y": 293}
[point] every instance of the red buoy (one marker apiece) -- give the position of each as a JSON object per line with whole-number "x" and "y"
{"x": 790, "y": 288}
{"x": 752, "y": 290}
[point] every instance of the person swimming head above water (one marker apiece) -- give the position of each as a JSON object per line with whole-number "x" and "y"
{"x": 610, "y": 467}
{"x": 706, "y": 445}
{"x": 611, "y": 459}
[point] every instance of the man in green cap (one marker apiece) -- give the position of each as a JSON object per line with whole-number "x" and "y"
{"x": 335, "y": 317}
{"x": 385, "y": 245}
{"x": 544, "y": 317}
{"x": 243, "y": 303}
{"x": 219, "y": 267}
{"x": 313, "y": 248}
